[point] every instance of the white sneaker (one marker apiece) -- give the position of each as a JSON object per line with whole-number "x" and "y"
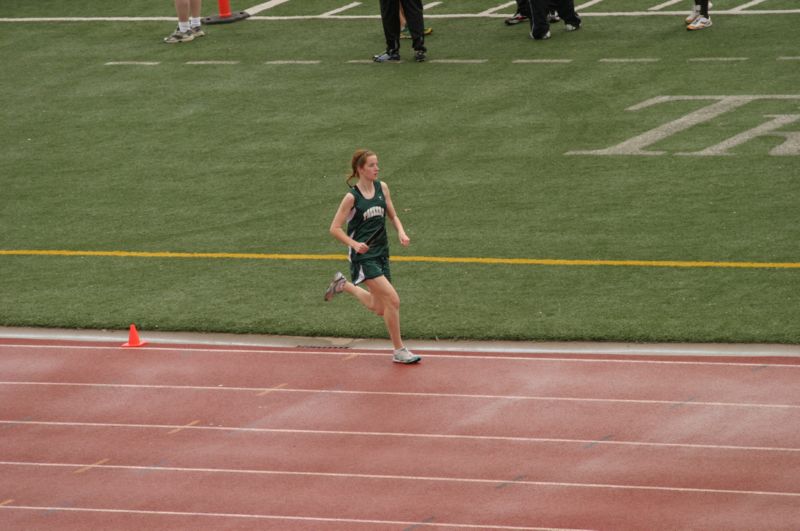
{"x": 695, "y": 13}
{"x": 699, "y": 23}
{"x": 179, "y": 36}
{"x": 336, "y": 286}
{"x": 403, "y": 355}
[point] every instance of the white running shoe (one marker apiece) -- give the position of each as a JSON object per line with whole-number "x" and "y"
{"x": 699, "y": 23}
{"x": 336, "y": 286}
{"x": 695, "y": 13}
{"x": 403, "y": 355}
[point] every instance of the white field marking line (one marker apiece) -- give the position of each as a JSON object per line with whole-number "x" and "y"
{"x": 282, "y": 388}
{"x": 719, "y": 59}
{"x": 461, "y": 356}
{"x": 341, "y": 9}
{"x": 7, "y": 502}
{"x": 747, "y": 5}
{"x": 590, "y": 3}
{"x": 392, "y": 477}
{"x": 430, "y": 5}
{"x": 377, "y": 17}
{"x": 666, "y": 4}
{"x": 292, "y": 62}
{"x": 338, "y": 433}
{"x": 788, "y": 58}
{"x": 266, "y": 5}
{"x": 278, "y": 517}
{"x": 495, "y": 9}
{"x": 459, "y": 61}
{"x": 540, "y": 61}
{"x": 629, "y": 60}
{"x": 137, "y": 63}
{"x": 212, "y": 62}
{"x": 370, "y": 62}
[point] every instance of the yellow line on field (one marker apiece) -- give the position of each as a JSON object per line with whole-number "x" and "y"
{"x": 418, "y": 259}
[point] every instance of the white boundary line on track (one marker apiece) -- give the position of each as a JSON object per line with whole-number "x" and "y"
{"x": 462, "y": 356}
{"x": 273, "y": 517}
{"x": 686, "y": 403}
{"x": 717, "y": 12}
{"x": 340, "y": 433}
{"x": 530, "y": 483}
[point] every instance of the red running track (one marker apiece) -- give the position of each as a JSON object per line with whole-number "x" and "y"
{"x": 94, "y": 436}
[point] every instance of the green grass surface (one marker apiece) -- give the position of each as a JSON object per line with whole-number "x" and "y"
{"x": 251, "y": 158}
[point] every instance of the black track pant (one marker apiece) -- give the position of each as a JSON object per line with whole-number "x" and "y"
{"x": 539, "y": 8}
{"x": 390, "y": 16}
{"x": 703, "y": 7}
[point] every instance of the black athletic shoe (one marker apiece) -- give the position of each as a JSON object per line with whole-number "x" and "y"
{"x": 516, "y": 19}
{"x": 387, "y": 56}
{"x": 419, "y": 56}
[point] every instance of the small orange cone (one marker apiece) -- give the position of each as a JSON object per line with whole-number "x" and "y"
{"x": 133, "y": 338}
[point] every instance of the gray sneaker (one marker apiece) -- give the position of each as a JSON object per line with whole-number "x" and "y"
{"x": 403, "y": 355}
{"x": 197, "y": 31}
{"x": 336, "y": 286}
{"x": 179, "y": 36}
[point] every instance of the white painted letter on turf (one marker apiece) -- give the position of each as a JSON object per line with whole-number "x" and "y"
{"x": 723, "y": 104}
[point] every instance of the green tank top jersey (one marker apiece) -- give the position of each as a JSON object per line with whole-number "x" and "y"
{"x": 368, "y": 218}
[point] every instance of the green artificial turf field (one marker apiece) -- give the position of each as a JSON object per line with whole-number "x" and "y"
{"x": 496, "y": 148}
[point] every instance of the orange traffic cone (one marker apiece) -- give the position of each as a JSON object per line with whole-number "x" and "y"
{"x": 133, "y": 338}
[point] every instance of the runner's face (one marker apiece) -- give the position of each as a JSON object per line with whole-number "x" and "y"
{"x": 370, "y": 168}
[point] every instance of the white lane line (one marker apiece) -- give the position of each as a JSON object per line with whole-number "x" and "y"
{"x": 377, "y": 17}
{"x": 409, "y": 525}
{"x": 292, "y": 62}
{"x": 540, "y": 61}
{"x": 431, "y": 5}
{"x": 460, "y": 355}
{"x": 666, "y": 4}
{"x": 629, "y": 60}
{"x": 390, "y": 477}
{"x": 459, "y": 61}
{"x": 89, "y": 19}
{"x": 717, "y": 59}
{"x": 495, "y": 9}
{"x": 212, "y": 62}
{"x": 283, "y": 388}
{"x": 371, "y": 62}
{"x": 339, "y": 433}
{"x": 266, "y": 5}
{"x": 747, "y": 5}
{"x": 341, "y": 9}
{"x": 136, "y": 63}
{"x": 85, "y": 468}
{"x": 590, "y": 3}
{"x": 785, "y": 58}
